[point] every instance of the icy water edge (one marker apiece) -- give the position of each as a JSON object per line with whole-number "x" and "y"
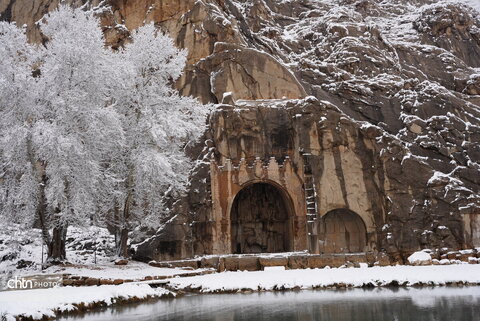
{"x": 382, "y": 304}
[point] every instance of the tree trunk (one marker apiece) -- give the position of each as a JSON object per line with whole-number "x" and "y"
{"x": 121, "y": 234}
{"x": 124, "y": 219}
{"x": 56, "y": 247}
{"x": 122, "y": 229}
{"x": 41, "y": 211}
{"x": 122, "y": 239}
{"x": 38, "y": 168}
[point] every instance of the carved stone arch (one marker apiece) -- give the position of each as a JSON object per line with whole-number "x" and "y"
{"x": 261, "y": 216}
{"x": 231, "y": 177}
{"x": 342, "y": 231}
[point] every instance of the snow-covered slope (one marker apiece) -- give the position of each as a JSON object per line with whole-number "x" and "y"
{"x": 21, "y": 249}
{"x": 473, "y": 3}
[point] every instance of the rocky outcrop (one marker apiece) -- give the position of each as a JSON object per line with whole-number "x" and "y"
{"x": 245, "y": 73}
{"x": 452, "y": 27}
{"x": 336, "y": 51}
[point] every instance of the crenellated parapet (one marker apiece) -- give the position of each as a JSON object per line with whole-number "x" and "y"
{"x": 256, "y": 170}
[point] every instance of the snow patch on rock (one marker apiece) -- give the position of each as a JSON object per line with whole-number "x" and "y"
{"x": 420, "y": 258}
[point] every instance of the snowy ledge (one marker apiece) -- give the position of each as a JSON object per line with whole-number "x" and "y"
{"x": 43, "y": 304}
{"x": 277, "y": 279}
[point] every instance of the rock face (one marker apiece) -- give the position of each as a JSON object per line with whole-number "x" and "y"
{"x": 301, "y": 145}
{"x": 346, "y": 186}
{"x": 247, "y": 74}
{"x": 220, "y": 58}
{"x": 390, "y": 137}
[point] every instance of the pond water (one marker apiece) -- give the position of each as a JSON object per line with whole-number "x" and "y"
{"x": 382, "y": 304}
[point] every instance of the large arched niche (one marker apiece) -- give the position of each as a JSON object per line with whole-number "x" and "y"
{"x": 342, "y": 231}
{"x": 261, "y": 220}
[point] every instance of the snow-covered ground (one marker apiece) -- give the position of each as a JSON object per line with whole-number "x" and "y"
{"x": 45, "y": 302}
{"x": 21, "y": 249}
{"x": 48, "y": 301}
{"x": 274, "y": 279}
{"x": 21, "y": 255}
{"x": 135, "y": 271}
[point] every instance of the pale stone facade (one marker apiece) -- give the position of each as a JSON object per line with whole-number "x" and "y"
{"x": 305, "y": 231}
{"x": 229, "y": 179}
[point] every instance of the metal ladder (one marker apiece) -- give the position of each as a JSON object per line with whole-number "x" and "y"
{"x": 311, "y": 202}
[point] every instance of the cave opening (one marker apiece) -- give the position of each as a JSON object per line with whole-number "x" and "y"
{"x": 342, "y": 231}
{"x": 260, "y": 219}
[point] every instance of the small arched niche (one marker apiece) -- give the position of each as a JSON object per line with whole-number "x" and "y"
{"x": 342, "y": 231}
{"x": 260, "y": 218}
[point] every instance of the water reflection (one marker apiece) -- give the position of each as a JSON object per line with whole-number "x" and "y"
{"x": 426, "y": 304}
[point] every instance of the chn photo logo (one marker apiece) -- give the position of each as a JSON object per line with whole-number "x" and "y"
{"x": 19, "y": 284}
{"x": 33, "y": 282}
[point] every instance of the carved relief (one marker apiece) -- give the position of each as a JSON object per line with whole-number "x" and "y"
{"x": 260, "y": 220}
{"x": 257, "y": 207}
